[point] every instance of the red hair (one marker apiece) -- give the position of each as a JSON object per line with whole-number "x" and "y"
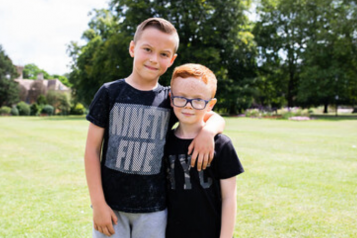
{"x": 197, "y": 71}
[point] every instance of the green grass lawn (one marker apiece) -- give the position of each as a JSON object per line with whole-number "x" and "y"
{"x": 300, "y": 177}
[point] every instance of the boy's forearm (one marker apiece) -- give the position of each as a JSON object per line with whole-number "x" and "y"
{"x": 92, "y": 164}
{"x": 229, "y": 207}
{"x": 214, "y": 123}
{"x": 94, "y": 181}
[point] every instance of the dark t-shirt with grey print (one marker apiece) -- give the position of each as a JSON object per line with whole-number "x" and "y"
{"x": 136, "y": 124}
{"x": 194, "y": 197}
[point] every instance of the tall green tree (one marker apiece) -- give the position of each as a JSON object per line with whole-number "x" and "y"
{"x": 280, "y": 35}
{"x": 224, "y": 44}
{"x": 31, "y": 71}
{"x": 9, "y": 91}
{"x": 329, "y": 73}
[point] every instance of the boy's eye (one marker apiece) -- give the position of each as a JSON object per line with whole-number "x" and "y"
{"x": 147, "y": 49}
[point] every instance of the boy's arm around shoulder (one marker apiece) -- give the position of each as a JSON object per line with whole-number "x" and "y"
{"x": 103, "y": 215}
{"x": 202, "y": 147}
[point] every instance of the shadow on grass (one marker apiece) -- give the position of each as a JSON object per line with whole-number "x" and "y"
{"x": 63, "y": 118}
{"x": 334, "y": 117}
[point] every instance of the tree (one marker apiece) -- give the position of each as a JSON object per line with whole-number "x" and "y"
{"x": 280, "y": 34}
{"x": 223, "y": 44}
{"x": 307, "y": 51}
{"x": 329, "y": 73}
{"x": 31, "y": 71}
{"x": 63, "y": 79}
{"x": 9, "y": 91}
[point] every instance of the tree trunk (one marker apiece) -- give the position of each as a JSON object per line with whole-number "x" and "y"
{"x": 325, "y": 108}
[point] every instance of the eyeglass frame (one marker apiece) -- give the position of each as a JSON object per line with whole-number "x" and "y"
{"x": 189, "y": 101}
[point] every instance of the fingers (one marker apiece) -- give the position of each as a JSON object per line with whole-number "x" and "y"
{"x": 114, "y": 217}
{"x": 106, "y": 230}
{"x": 193, "y": 158}
{"x": 210, "y": 158}
{"x": 205, "y": 161}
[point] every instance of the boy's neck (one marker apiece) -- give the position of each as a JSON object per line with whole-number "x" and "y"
{"x": 188, "y": 131}
{"x": 141, "y": 84}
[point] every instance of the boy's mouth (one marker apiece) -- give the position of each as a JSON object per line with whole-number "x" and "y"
{"x": 151, "y": 68}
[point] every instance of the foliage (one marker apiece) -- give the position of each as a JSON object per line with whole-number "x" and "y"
{"x": 64, "y": 105}
{"x": 48, "y": 109}
{"x": 41, "y": 100}
{"x": 9, "y": 91}
{"x": 78, "y": 109}
{"x": 307, "y": 52}
{"x": 31, "y": 71}
{"x": 63, "y": 79}
{"x": 24, "y": 109}
{"x": 329, "y": 73}
{"x": 4, "y": 110}
{"x": 14, "y": 111}
{"x": 35, "y": 109}
{"x": 223, "y": 44}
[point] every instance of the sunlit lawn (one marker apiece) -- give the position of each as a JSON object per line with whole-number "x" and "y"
{"x": 300, "y": 178}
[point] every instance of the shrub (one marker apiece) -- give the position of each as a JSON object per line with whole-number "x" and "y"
{"x": 78, "y": 109}
{"x": 252, "y": 113}
{"x": 41, "y": 100}
{"x": 48, "y": 109}
{"x": 35, "y": 109}
{"x": 14, "y": 111}
{"x": 5, "y": 110}
{"x": 24, "y": 109}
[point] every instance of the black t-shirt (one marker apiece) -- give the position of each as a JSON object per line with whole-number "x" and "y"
{"x": 194, "y": 198}
{"x": 136, "y": 124}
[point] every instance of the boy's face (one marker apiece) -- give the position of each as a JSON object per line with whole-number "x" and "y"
{"x": 153, "y": 54}
{"x": 191, "y": 88}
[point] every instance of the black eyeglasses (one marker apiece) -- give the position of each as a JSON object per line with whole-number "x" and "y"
{"x": 196, "y": 103}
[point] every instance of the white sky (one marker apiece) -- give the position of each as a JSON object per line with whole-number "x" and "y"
{"x": 38, "y": 31}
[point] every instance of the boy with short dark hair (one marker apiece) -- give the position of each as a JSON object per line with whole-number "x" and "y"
{"x": 129, "y": 122}
{"x": 200, "y": 203}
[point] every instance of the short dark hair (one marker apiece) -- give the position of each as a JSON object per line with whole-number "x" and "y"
{"x": 159, "y": 24}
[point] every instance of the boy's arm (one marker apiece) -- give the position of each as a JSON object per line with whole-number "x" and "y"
{"x": 103, "y": 215}
{"x": 229, "y": 206}
{"x": 203, "y": 145}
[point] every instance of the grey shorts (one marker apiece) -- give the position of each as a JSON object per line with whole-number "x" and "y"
{"x": 138, "y": 225}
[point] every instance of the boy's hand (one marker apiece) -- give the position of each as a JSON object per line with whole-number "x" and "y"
{"x": 103, "y": 219}
{"x": 203, "y": 149}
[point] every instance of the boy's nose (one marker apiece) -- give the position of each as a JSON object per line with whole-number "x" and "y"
{"x": 153, "y": 59}
{"x": 189, "y": 105}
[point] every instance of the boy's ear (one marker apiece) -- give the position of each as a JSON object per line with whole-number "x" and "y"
{"x": 211, "y": 104}
{"x": 173, "y": 59}
{"x": 170, "y": 99}
{"x": 131, "y": 48}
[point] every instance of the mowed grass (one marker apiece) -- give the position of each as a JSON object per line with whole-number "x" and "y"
{"x": 300, "y": 177}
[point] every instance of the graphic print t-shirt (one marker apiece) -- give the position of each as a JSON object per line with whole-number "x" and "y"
{"x": 136, "y": 123}
{"x": 194, "y": 197}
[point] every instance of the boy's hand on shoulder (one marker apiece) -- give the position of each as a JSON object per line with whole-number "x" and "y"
{"x": 202, "y": 149}
{"x": 103, "y": 219}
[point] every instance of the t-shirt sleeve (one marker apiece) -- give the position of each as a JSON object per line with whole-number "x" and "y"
{"x": 228, "y": 163}
{"x": 99, "y": 108}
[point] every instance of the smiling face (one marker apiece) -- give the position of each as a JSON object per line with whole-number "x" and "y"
{"x": 153, "y": 53}
{"x": 191, "y": 88}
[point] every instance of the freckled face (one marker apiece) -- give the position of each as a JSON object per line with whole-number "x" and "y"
{"x": 153, "y": 54}
{"x": 191, "y": 88}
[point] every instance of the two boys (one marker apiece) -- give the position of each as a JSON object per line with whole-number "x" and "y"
{"x": 126, "y": 137}
{"x": 125, "y": 144}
